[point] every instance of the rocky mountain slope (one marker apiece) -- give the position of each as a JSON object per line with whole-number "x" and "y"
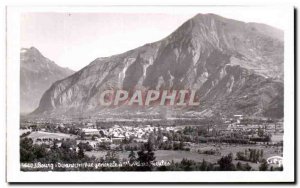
{"x": 236, "y": 68}
{"x": 37, "y": 74}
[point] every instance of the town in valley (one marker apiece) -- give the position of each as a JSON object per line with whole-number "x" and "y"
{"x": 240, "y": 142}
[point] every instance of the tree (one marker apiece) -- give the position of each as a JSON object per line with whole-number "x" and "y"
{"x": 261, "y": 153}
{"x": 250, "y": 155}
{"x": 54, "y": 146}
{"x": 203, "y": 166}
{"x": 26, "y": 147}
{"x": 112, "y": 156}
{"x": 94, "y": 137}
{"x": 151, "y": 141}
{"x": 263, "y": 166}
{"x": 239, "y": 166}
{"x": 260, "y": 132}
{"x": 68, "y": 144}
{"x": 132, "y": 157}
{"x": 257, "y": 155}
{"x": 146, "y": 157}
{"x": 226, "y": 163}
{"x": 181, "y": 145}
{"x": 82, "y": 136}
{"x": 159, "y": 139}
{"x": 240, "y": 156}
{"x": 248, "y": 167}
{"x": 187, "y": 164}
{"x": 81, "y": 153}
{"x": 246, "y": 154}
{"x": 39, "y": 151}
{"x": 85, "y": 146}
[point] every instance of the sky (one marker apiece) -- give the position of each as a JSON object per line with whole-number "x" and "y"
{"x": 74, "y": 39}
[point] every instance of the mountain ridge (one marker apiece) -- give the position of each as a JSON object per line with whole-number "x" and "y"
{"x": 214, "y": 55}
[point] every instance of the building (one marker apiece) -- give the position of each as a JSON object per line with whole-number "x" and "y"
{"x": 238, "y": 118}
{"x": 90, "y": 131}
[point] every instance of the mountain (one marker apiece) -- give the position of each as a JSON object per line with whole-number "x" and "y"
{"x": 236, "y": 68}
{"x": 37, "y": 74}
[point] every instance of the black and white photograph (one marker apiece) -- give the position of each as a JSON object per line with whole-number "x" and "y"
{"x": 150, "y": 91}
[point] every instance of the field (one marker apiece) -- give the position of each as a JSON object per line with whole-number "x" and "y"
{"x": 227, "y": 148}
{"x": 41, "y": 135}
{"x": 177, "y": 155}
{"x": 277, "y": 137}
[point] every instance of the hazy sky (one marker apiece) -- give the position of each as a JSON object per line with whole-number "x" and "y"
{"x": 75, "y": 39}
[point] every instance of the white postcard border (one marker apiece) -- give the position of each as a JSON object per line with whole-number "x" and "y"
{"x": 13, "y": 116}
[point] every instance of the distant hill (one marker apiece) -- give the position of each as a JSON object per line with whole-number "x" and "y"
{"x": 37, "y": 74}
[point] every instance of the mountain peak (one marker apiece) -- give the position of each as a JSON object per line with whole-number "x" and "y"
{"x": 32, "y": 52}
{"x": 37, "y": 73}
{"x": 32, "y": 49}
